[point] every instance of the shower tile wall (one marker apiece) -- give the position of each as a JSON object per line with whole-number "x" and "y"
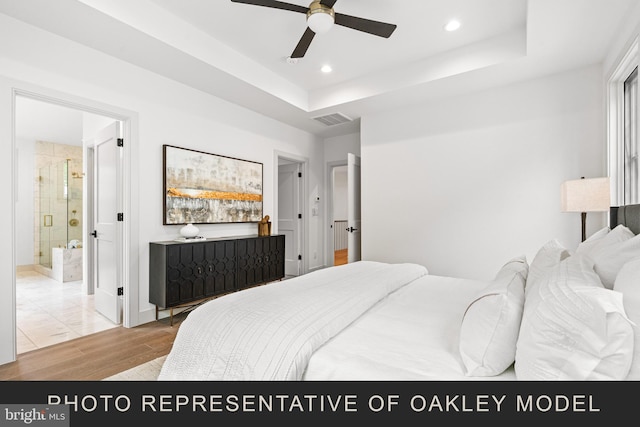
{"x": 59, "y": 205}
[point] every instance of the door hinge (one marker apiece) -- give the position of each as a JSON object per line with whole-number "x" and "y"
{"x": 120, "y": 291}
{"x": 299, "y": 174}
{"x": 299, "y": 216}
{"x": 299, "y": 257}
{"x": 120, "y": 142}
{"x": 120, "y": 216}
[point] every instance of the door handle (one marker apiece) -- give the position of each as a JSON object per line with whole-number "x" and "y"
{"x": 95, "y": 233}
{"x": 351, "y": 229}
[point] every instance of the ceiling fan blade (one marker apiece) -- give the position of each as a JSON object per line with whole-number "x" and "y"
{"x": 303, "y": 44}
{"x": 328, "y": 3}
{"x": 275, "y": 5}
{"x": 376, "y": 28}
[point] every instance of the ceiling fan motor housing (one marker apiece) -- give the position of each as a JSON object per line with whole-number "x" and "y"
{"x": 320, "y": 18}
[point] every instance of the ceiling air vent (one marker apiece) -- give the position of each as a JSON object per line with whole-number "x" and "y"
{"x": 332, "y": 119}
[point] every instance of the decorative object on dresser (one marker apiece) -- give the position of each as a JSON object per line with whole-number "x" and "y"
{"x": 184, "y": 274}
{"x": 189, "y": 231}
{"x": 264, "y": 226}
{"x": 585, "y": 195}
{"x": 204, "y": 188}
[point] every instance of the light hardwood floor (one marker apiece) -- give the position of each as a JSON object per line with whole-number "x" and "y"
{"x": 340, "y": 257}
{"x": 96, "y": 356}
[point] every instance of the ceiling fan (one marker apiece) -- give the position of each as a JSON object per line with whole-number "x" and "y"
{"x": 321, "y": 17}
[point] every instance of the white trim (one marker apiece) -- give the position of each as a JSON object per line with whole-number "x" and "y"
{"x": 615, "y": 121}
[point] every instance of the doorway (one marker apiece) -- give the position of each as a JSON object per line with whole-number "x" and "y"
{"x": 290, "y": 216}
{"x": 339, "y": 221}
{"x": 344, "y": 213}
{"x": 54, "y": 299}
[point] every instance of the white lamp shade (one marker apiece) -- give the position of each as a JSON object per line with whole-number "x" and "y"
{"x": 586, "y": 195}
{"x": 320, "y": 22}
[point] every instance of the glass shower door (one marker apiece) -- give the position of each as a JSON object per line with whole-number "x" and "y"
{"x": 45, "y": 219}
{"x": 53, "y": 204}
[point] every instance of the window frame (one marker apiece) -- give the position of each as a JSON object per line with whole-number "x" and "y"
{"x": 616, "y": 121}
{"x": 631, "y": 133}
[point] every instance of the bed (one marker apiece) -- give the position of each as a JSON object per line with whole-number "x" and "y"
{"x": 564, "y": 315}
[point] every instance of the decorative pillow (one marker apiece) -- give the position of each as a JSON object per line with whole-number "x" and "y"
{"x": 546, "y": 259}
{"x": 592, "y": 241}
{"x": 490, "y": 324}
{"x": 575, "y": 329}
{"x": 628, "y": 283}
{"x": 618, "y": 235}
{"x": 609, "y": 260}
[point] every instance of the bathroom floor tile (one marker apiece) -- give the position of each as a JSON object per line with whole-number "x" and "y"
{"x": 49, "y": 312}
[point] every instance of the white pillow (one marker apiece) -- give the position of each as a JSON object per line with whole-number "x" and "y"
{"x": 546, "y": 259}
{"x": 592, "y": 241}
{"x": 628, "y": 283}
{"x": 618, "y": 235}
{"x": 490, "y": 324}
{"x": 609, "y": 260}
{"x": 575, "y": 329}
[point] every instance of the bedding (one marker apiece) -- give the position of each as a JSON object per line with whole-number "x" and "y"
{"x": 628, "y": 284}
{"x": 573, "y": 328}
{"x": 564, "y": 316}
{"x": 491, "y": 323}
{"x": 269, "y": 332}
{"x": 411, "y": 335}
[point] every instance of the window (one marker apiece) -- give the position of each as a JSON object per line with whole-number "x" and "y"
{"x": 630, "y": 151}
{"x": 623, "y": 129}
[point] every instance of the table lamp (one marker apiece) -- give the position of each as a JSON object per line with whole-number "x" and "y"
{"x": 585, "y": 195}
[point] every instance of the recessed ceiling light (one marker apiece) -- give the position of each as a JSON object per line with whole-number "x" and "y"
{"x": 452, "y": 25}
{"x": 326, "y": 69}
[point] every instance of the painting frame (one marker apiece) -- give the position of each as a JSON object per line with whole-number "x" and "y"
{"x": 207, "y": 188}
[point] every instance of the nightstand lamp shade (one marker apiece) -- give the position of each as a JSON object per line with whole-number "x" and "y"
{"x": 585, "y": 195}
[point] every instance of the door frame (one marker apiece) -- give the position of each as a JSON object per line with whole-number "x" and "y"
{"x": 304, "y": 229}
{"x": 129, "y": 248}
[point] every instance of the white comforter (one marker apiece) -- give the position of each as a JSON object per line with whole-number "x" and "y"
{"x": 270, "y": 332}
{"x": 412, "y": 335}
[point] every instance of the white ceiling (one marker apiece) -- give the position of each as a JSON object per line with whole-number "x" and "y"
{"x": 239, "y": 52}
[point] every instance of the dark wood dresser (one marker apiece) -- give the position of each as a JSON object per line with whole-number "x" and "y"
{"x": 184, "y": 273}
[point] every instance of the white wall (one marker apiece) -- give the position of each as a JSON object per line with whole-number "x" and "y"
{"x": 462, "y": 185}
{"x": 336, "y": 148}
{"x": 24, "y": 226}
{"x": 166, "y": 113}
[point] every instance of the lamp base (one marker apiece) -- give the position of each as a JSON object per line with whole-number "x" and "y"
{"x": 583, "y": 215}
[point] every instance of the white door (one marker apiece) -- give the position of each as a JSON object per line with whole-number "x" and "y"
{"x": 289, "y": 213}
{"x": 107, "y": 234}
{"x": 353, "y": 208}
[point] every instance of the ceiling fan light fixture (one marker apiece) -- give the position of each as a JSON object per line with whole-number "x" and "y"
{"x": 320, "y": 18}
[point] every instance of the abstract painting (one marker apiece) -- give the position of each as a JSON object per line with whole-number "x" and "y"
{"x": 204, "y": 188}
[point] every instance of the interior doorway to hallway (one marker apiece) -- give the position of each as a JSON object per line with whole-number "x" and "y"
{"x": 339, "y": 215}
{"x": 343, "y": 211}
